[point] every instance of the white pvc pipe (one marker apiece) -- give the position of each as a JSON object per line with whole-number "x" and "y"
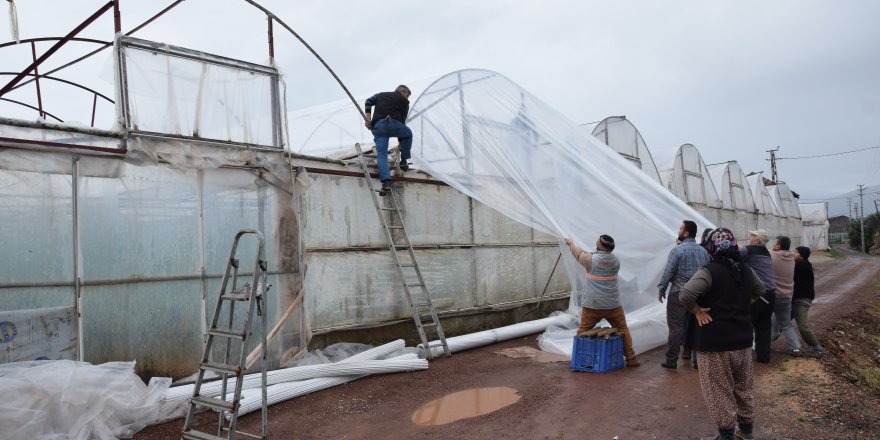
{"x": 479, "y": 339}
{"x": 184, "y": 392}
{"x": 251, "y": 400}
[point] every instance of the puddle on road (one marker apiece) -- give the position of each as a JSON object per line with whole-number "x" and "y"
{"x": 533, "y": 353}
{"x": 464, "y": 404}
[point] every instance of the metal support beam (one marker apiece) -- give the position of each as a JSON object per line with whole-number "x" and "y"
{"x": 37, "y": 79}
{"x": 55, "y": 48}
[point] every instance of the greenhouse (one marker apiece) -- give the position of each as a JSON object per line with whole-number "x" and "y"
{"x": 770, "y": 217}
{"x": 623, "y": 137}
{"x": 814, "y": 217}
{"x": 688, "y": 179}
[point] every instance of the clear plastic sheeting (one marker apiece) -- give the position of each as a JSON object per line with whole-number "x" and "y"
{"x": 76, "y": 400}
{"x": 814, "y": 217}
{"x": 736, "y": 198}
{"x": 620, "y": 134}
{"x": 770, "y": 217}
{"x": 328, "y": 130}
{"x": 688, "y": 178}
{"x": 181, "y": 92}
{"x": 37, "y": 134}
{"x": 785, "y": 200}
{"x": 494, "y": 141}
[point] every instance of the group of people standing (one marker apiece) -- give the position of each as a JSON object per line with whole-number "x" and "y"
{"x": 722, "y": 301}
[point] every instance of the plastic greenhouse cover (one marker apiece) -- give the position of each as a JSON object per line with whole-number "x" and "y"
{"x": 198, "y": 98}
{"x": 733, "y": 189}
{"x": 76, "y": 400}
{"x": 620, "y": 134}
{"x": 763, "y": 201}
{"x": 494, "y": 141}
{"x": 814, "y": 212}
{"x": 688, "y": 178}
{"x": 785, "y": 200}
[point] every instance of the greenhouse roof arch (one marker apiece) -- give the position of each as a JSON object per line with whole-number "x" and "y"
{"x": 763, "y": 200}
{"x": 785, "y": 200}
{"x": 620, "y": 134}
{"x": 732, "y": 186}
{"x": 688, "y": 178}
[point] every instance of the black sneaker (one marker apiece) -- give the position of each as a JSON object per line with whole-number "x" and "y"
{"x": 404, "y": 166}
{"x": 386, "y": 189}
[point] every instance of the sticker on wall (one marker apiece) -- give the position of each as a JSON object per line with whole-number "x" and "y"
{"x": 8, "y": 332}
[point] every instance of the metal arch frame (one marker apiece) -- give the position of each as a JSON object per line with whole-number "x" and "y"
{"x": 41, "y": 39}
{"x": 32, "y": 107}
{"x": 17, "y": 81}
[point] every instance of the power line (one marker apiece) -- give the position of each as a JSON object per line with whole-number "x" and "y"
{"x": 830, "y": 154}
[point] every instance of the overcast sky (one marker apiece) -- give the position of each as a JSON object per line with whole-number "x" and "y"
{"x": 734, "y": 78}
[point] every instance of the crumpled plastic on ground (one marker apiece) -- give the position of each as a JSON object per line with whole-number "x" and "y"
{"x": 67, "y": 400}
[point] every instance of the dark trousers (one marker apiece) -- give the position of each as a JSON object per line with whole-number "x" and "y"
{"x": 676, "y": 316}
{"x": 762, "y": 314}
{"x": 690, "y": 333}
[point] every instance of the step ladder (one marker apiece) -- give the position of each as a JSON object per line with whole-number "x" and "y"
{"x": 254, "y": 295}
{"x": 423, "y": 311}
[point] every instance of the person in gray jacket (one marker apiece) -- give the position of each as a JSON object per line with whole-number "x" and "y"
{"x": 757, "y": 257}
{"x": 602, "y": 298}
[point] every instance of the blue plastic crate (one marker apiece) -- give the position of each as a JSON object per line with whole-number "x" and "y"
{"x": 597, "y": 355}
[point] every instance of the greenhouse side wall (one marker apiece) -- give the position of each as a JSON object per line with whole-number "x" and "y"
{"x": 472, "y": 257}
{"x": 153, "y": 242}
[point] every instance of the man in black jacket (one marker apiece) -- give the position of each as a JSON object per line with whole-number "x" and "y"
{"x": 804, "y": 294}
{"x": 389, "y": 121}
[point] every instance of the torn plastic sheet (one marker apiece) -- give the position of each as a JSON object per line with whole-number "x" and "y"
{"x": 484, "y": 135}
{"x": 76, "y": 400}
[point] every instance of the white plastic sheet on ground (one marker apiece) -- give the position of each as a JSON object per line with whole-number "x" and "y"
{"x": 494, "y": 141}
{"x": 76, "y": 400}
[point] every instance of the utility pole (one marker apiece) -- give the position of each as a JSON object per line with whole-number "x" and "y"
{"x": 773, "y": 163}
{"x": 862, "y": 215}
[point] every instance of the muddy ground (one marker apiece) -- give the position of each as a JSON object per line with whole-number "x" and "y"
{"x": 836, "y": 397}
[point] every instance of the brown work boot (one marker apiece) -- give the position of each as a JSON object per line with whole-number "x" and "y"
{"x": 632, "y": 363}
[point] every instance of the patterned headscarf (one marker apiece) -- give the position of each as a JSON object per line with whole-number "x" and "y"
{"x": 723, "y": 249}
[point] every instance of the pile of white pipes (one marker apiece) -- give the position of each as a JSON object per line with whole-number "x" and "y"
{"x": 486, "y": 337}
{"x": 288, "y": 383}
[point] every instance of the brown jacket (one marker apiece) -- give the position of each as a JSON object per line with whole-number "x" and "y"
{"x": 783, "y": 271}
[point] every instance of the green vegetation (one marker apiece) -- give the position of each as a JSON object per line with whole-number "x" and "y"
{"x": 872, "y": 225}
{"x": 871, "y": 375}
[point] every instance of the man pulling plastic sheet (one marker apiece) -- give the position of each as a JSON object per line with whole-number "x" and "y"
{"x": 489, "y": 138}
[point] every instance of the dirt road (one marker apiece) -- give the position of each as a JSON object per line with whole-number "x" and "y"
{"x": 642, "y": 403}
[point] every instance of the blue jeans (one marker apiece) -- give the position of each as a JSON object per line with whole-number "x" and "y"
{"x": 782, "y": 323}
{"x": 384, "y": 129}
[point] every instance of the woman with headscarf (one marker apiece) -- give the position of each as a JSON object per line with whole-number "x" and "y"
{"x": 690, "y": 332}
{"x": 804, "y": 293}
{"x": 720, "y": 296}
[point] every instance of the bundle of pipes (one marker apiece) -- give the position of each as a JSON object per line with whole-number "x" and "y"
{"x": 354, "y": 367}
{"x": 479, "y": 339}
{"x": 251, "y": 400}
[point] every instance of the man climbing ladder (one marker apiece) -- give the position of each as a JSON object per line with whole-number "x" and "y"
{"x": 389, "y": 121}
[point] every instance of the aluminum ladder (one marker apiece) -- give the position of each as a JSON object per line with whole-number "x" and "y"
{"x": 423, "y": 311}
{"x": 254, "y": 294}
